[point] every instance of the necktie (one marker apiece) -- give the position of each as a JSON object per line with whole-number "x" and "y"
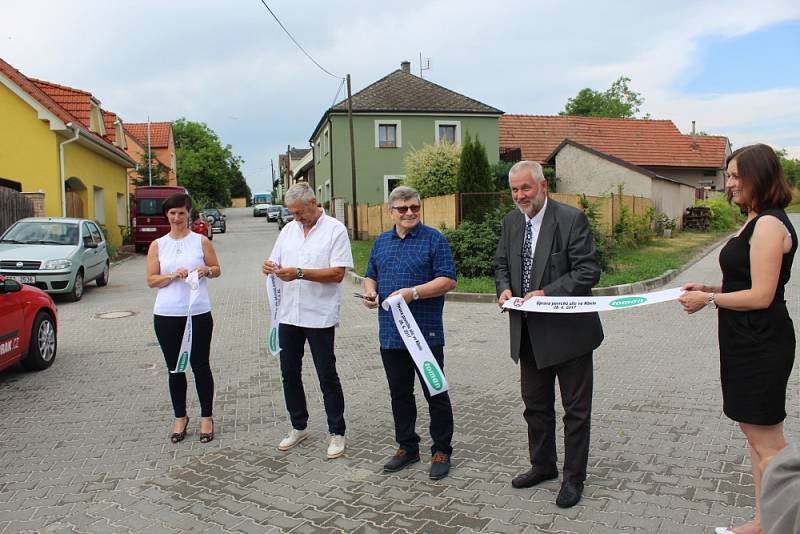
{"x": 527, "y": 258}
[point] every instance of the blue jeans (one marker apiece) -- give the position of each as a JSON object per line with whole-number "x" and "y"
{"x": 293, "y": 340}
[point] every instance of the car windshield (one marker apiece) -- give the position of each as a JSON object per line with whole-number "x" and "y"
{"x": 274, "y": 208}
{"x": 212, "y": 211}
{"x": 149, "y": 207}
{"x": 285, "y": 211}
{"x": 42, "y": 233}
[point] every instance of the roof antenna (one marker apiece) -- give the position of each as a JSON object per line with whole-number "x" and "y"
{"x": 427, "y": 64}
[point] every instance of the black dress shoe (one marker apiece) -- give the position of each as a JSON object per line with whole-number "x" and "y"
{"x": 531, "y": 478}
{"x": 400, "y": 459}
{"x": 440, "y": 466}
{"x": 570, "y": 494}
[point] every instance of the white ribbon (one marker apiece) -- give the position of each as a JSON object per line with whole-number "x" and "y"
{"x": 590, "y": 304}
{"x": 417, "y": 346}
{"x": 274, "y": 296}
{"x": 185, "y": 352}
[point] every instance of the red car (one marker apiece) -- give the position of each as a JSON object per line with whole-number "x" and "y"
{"x": 28, "y": 325}
{"x": 200, "y": 226}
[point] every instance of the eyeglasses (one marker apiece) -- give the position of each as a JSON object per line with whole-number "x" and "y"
{"x": 404, "y": 209}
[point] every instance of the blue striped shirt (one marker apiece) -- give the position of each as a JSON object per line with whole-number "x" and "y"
{"x": 395, "y": 263}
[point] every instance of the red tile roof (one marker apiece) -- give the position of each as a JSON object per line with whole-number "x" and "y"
{"x": 111, "y": 129}
{"x": 159, "y": 133}
{"x": 644, "y": 142}
{"x": 70, "y": 105}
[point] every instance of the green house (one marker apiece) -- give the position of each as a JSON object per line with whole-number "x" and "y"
{"x": 398, "y": 113}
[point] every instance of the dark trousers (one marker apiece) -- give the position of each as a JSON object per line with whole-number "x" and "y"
{"x": 400, "y": 370}
{"x": 538, "y": 393}
{"x": 293, "y": 340}
{"x": 169, "y": 331}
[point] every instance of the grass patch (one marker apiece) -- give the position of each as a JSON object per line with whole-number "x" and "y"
{"x": 657, "y": 257}
{"x": 648, "y": 261}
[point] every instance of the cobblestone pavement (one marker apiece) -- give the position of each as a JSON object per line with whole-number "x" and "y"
{"x": 84, "y": 448}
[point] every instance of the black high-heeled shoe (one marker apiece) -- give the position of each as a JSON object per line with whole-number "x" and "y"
{"x": 177, "y": 437}
{"x": 206, "y": 437}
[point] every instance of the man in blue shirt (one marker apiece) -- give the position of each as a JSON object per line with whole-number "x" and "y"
{"x": 415, "y": 261}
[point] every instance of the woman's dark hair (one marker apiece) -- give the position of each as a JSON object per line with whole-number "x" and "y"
{"x": 759, "y": 167}
{"x": 178, "y": 200}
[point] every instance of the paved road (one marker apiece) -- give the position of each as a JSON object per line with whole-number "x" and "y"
{"x": 84, "y": 448}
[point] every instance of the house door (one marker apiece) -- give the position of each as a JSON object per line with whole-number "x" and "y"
{"x": 74, "y": 204}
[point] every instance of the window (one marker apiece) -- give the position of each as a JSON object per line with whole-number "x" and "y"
{"x": 388, "y": 134}
{"x": 327, "y": 144}
{"x": 390, "y": 181}
{"x": 448, "y": 132}
{"x": 99, "y": 205}
{"x": 122, "y": 219}
{"x": 319, "y": 153}
{"x": 97, "y": 236}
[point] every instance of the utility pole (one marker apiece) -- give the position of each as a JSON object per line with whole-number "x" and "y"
{"x": 149, "y": 156}
{"x": 272, "y": 168}
{"x": 288, "y": 166}
{"x": 352, "y": 157}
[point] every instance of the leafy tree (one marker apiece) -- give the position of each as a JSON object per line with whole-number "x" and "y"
{"x": 500, "y": 173}
{"x": 619, "y": 100}
{"x": 158, "y": 171}
{"x": 205, "y": 167}
{"x": 474, "y": 172}
{"x": 791, "y": 167}
{"x": 432, "y": 170}
{"x": 239, "y": 187}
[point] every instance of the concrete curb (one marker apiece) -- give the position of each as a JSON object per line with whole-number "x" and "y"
{"x": 643, "y": 286}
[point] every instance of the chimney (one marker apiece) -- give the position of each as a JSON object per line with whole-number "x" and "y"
{"x": 695, "y": 146}
{"x": 405, "y": 66}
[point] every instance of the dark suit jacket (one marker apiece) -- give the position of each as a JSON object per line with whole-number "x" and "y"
{"x": 564, "y": 264}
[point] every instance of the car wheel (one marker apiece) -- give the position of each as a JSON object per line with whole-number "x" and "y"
{"x": 42, "y": 350}
{"x": 102, "y": 280}
{"x": 222, "y": 229}
{"x": 77, "y": 288}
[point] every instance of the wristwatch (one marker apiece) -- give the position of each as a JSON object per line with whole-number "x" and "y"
{"x": 300, "y": 273}
{"x": 414, "y": 294}
{"x": 711, "y": 301}
{"x": 209, "y": 272}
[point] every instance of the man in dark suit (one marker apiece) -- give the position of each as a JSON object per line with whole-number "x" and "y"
{"x": 546, "y": 249}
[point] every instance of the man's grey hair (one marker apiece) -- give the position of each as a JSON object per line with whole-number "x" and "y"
{"x": 534, "y": 168}
{"x": 300, "y": 191}
{"x": 403, "y": 192}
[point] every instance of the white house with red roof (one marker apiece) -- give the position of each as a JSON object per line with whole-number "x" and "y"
{"x": 58, "y": 144}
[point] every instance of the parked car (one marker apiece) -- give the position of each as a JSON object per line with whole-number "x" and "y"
{"x": 148, "y": 223}
{"x": 28, "y": 326}
{"x": 260, "y": 210}
{"x": 272, "y": 213}
{"x": 284, "y": 218}
{"x": 216, "y": 219}
{"x": 56, "y": 254}
{"x": 201, "y": 226}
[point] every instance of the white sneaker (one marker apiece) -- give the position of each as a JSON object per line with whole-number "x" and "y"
{"x": 295, "y": 436}
{"x": 336, "y": 446}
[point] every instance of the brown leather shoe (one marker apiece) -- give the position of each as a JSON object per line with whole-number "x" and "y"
{"x": 440, "y": 465}
{"x": 531, "y": 478}
{"x": 401, "y": 459}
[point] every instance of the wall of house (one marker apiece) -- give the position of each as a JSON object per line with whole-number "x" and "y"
{"x": 581, "y": 172}
{"x": 95, "y": 171}
{"x": 672, "y": 199}
{"x": 374, "y": 164}
{"x": 29, "y": 150}
{"x": 691, "y": 177}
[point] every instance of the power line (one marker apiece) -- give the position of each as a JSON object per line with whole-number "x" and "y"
{"x": 326, "y": 71}
{"x": 339, "y": 90}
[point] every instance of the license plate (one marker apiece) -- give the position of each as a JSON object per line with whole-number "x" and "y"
{"x": 147, "y": 229}
{"x": 23, "y": 279}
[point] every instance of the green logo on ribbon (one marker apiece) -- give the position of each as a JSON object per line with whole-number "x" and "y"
{"x": 182, "y": 361}
{"x": 273, "y": 336}
{"x": 627, "y": 302}
{"x": 432, "y": 375}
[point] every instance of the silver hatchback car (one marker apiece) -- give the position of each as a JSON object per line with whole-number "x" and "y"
{"x": 55, "y": 254}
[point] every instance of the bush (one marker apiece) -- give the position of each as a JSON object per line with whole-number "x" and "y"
{"x": 474, "y": 172}
{"x": 474, "y": 244}
{"x": 724, "y": 215}
{"x": 500, "y": 172}
{"x": 432, "y": 170}
{"x": 604, "y": 246}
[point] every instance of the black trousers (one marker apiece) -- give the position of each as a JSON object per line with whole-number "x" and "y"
{"x": 575, "y": 380}
{"x": 293, "y": 340}
{"x": 169, "y": 331}
{"x": 400, "y": 371}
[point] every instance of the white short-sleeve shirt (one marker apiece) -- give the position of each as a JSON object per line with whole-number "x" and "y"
{"x": 303, "y": 302}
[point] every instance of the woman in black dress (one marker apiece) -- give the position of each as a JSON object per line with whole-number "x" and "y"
{"x": 756, "y": 335}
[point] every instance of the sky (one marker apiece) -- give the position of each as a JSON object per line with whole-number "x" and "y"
{"x": 732, "y": 66}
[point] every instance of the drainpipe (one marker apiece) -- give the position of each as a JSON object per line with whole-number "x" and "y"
{"x": 61, "y": 159}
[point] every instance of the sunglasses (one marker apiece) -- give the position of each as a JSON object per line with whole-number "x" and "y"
{"x": 404, "y": 209}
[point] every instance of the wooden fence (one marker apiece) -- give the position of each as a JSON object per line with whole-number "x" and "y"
{"x": 13, "y": 207}
{"x": 450, "y": 210}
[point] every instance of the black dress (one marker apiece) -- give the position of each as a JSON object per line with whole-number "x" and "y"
{"x": 756, "y": 347}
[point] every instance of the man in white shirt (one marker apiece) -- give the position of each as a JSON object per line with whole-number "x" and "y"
{"x": 310, "y": 257}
